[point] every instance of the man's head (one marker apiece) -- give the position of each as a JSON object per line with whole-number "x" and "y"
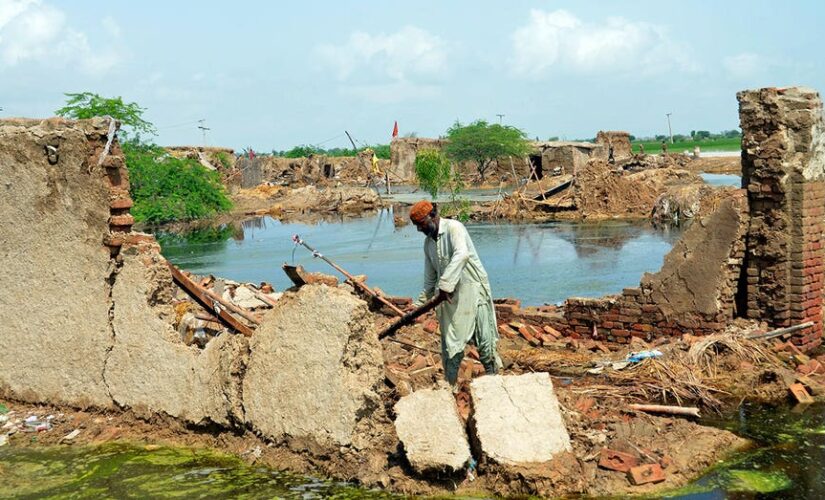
{"x": 425, "y": 217}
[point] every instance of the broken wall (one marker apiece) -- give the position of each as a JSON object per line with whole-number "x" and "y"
{"x": 86, "y": 311}
{"x": 783, "y": 169}
{"x": 616, "y": 139}
{"x": 315, "y": 170}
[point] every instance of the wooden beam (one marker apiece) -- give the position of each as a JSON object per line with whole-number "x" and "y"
{"x": 209, "y": 300}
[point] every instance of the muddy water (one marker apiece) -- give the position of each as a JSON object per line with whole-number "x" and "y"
{"x": 786, "y": 463}
{"x": 538, "y": 263}
{"x": 129, "y": 471}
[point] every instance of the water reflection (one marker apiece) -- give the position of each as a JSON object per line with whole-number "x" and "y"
{"x": 539, "y": 263}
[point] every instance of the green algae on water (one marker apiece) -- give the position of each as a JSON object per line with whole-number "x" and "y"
{"x": 119, "y": 470}
{"x": 754, "y": 481}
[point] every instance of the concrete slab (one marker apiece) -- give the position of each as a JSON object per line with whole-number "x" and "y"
{"x": 433, "y": 435}
{"x": 516, "y": 418}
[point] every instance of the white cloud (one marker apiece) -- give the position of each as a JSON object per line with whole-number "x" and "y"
{"x": 745, "y": 65}
{"x": 111, "y": 26}
{"x": 31, "y": 31}
{"x": 408, "y": 54}
{"x": 562, "y": 42}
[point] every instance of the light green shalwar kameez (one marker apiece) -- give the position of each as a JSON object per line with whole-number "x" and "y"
{"x": 452, "y": 264}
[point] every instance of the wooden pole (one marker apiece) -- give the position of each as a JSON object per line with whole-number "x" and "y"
{"x": 779, "y": 332}
{"x": 671, "y": 410}
{"x": 211, "y": 301}
{"x": 297, "y": 239}
{"x": 408, "y": 318}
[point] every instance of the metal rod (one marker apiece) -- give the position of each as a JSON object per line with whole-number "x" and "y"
{"x": 297, "y": 239}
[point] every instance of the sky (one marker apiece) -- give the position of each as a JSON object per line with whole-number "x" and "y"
{"x": 271, "y": 75}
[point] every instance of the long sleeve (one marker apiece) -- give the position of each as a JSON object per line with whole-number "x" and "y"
{"x": 429, "y": 279}
{"x": 461, "y": 254}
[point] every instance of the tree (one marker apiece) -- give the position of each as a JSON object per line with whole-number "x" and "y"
{"x": 163, "y": 188}
{"x": 87, "y": 105}
{"x": 432, "y": 169}
{"x": 482, "y": 143}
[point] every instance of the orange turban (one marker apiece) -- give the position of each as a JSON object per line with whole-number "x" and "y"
{"x": 420, "y": 211}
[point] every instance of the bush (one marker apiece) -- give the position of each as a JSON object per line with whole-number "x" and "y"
{"x": 165, "y": 188}
{"x": 432, "y": 169}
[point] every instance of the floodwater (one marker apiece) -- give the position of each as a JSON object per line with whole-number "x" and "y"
{"x": 722, "y": 179}
{"x": 537, "y": 263}
{"x": 121, "y": 470}
{"x": 785, "y": 463}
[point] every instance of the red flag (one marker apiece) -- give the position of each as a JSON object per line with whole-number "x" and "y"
{"x": 395, "y": 130}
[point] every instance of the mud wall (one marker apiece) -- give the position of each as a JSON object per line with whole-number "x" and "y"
{"x": 316, "y": 170}
{"x": 783, "y": 168}
{"x": 618, "y": 140}
{"x": 86, "y": 311}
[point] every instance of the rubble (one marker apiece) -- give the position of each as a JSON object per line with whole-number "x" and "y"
{"x": 431, "y": 431}
{"x": 314, "y": 370}
{"x": 516, "y": 419}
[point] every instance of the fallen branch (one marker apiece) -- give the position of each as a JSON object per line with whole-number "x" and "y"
{"x": 671, "y": 410}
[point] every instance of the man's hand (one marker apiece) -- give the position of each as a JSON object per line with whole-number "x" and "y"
{"x": 448, "y": 296}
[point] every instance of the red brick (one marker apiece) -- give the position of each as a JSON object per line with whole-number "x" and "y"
{"x": 506, "y": 331}
{"x": 121, "y": 220}
{"x": 617, "y": 460}
{"x": 528, "y": 336}
{"x": 800, "y": 393}
{"x": 549, "y": 330}
{"x": 621, "y": 333}
{"x": 647, "y": 473}
{"x": 120, "y": 203}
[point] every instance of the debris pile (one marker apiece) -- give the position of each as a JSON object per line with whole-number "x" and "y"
{"x": 283, "y": 202}
{"x": 598, "y": 191}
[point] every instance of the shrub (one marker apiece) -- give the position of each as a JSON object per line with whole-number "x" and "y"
{"x": 165, "y": 188}
{"x": 432, "y": 169}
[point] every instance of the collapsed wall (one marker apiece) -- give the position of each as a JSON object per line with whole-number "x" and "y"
{"x": 616, "y": 141}
{"x": 86, "y": 311}
{"x": 311, "y": 170}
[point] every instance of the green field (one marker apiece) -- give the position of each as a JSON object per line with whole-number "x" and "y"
{"x": 707, "y": 145}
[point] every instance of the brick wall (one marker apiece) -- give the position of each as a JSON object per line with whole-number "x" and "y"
{"x": 784, "y": 172}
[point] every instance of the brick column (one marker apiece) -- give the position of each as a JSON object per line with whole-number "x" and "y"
{"x": 783, "y": 169}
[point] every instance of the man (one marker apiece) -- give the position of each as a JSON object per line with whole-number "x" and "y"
{"x": 453, "y": 270}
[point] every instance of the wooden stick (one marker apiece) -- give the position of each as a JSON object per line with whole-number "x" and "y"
{"x": 408, "y": 318}
{"x": 350, "y": 277}
{"x": 672, "y": 410}
{"x": 779, "y": 332}
{"x": 209, "y": 300}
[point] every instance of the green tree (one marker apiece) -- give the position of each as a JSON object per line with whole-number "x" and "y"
{"x": 482, "y": 143}
{"x": 87, "y": 105}
{"x": 432, "y": 169}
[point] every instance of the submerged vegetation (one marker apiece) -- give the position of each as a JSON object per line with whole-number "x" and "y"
{"x": 163, "y": 188}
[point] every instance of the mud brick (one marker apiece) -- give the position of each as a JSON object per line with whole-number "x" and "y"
{"x": 800, "y": 393}
{"x": 506, "y": 331}
{"x": 811, "y": 367}
{"x": 431, "y": 326}
{"x": 641, "y": 327}
{"x": 648, "y": 308}
{"x": 120, "y": 203}
{"x": 666, "y": 461}
{"x": 505, "y": 309}
{"x": 647, "y": 473}
{"x": 632, "y": 291}
{"x": 549, "y": 330}
{"x": 621, "y": 333}
{"x": 528, "y": 336}
{"x": 121, "y": 220}
{"x": 617, "y": 460}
